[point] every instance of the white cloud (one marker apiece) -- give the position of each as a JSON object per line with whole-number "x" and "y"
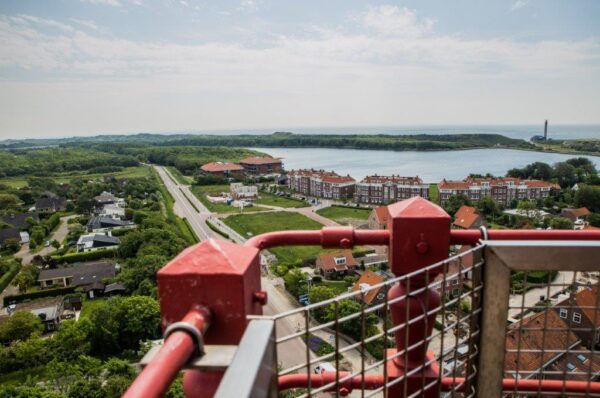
{"x": 113, "y": 3}
{"x": 395, "y": 21}
{"x": 518, "y": 4}
{"x": 248, "y": 5}
{"x": 86, "y": 23}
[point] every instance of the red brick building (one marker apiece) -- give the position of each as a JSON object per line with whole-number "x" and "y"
{"x": 389, "y": 189}
{"x": 222, "y": 169}
{"x": 501, "y": 190}
{"x": 336, "y": 264}
{"x": 321, "y": 184}
{"x": 257, "y": 165}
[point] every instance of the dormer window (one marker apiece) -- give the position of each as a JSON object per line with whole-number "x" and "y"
{"x": 340, "y": 260}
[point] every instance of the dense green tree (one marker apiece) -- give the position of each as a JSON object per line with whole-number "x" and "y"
{"x": 526, "y": 208}
{"x": 9, "y": 201}
{"x": 295, "y": 282}
{"x": 140, "y": 320}
{"x": 561, "y": 223}
{"x": 20, "y": 326}
{"x": 72, "y": 340}
{"x": 487, "y": 207}
{"x": 455, "y": 202}
{"x": 566, "y": 174}
{"x": 594, "y": 219}
{"x": 318, "y": 294}
{"x": 588, "y": 196}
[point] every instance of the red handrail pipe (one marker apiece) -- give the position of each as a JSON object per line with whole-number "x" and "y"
{"x": 157, "y": 376}
{"x": 457, "y": 384}
{"x": 330, "y": 237}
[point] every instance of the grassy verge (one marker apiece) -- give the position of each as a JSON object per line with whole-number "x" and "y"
{"x": 190, "y": 231}
{"x": 434, "y": 193}
{"x": 249, "y": 225}
{"x": 20, "y": 376}
{"x": 189, "y": 201}
{"x": 217, "y": 230}
{"x": 342, "y": 214}
{"x": 180, "y": 178}
{"x": 215, "y": 190}
{"x": 279, "y": 201}
{"x": 183, "y": 227}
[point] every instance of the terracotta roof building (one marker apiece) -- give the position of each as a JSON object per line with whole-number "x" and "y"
{"x": 575, "y": 214}
{"x": 467, "y": 217}
{"x": 261, "y": 165}
{"x": 366, "y": 280}
{"x": 501, "y": 190}
{"x": 580, "y": 310}
{"x": 321, "y": 184}
{"x": 222, "y": 169}
{"x": 389, "y": 189}
{"x": 544, "y": 331}
{"x": 337, "y": 263}
{"x": 378, "y": 218}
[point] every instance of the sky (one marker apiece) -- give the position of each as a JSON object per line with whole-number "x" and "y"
{"x": 85, "y": 67}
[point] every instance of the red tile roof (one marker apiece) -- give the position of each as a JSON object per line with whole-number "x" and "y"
{"x": 326, "y": 261}
{"x": 580, "y": 212}
{"x": 260, "y": 160}
{"x": 326, "y": 176}
{"x": 375, "y": 179}
{"x": 381, "y": 215}
{"x": 369, "y": 278}
{"x": 495, "y": 182}
{"x": 221, "y": 166}
{"x": 466, "y": 217}
{"x": 444, "y": 184}
{"x": 544, "y": 328}
{"x": 586, "y": 298}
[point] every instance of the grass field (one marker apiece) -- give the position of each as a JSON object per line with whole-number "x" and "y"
{"x": 274, "y": 200}
{"x": 434, "y": 193}
{"x": 215, "y": 190}
{"x": 256, "y": 224}
{"x": 343, "y": 214}
{"x": 180, "y": 178}
{"x": 128, "y": 172}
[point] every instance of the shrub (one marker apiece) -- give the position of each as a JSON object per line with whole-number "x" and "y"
{"x": 84, "y": 256}
{"x": 18, "y": 298}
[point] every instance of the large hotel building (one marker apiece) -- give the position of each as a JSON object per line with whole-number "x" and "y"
{"x": 321, "y": 184}
{"x": 501, "y": 190}
{"x": 388, "y": 189}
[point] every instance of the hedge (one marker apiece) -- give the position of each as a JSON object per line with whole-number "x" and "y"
{"x": 61, "y": 291}
{"x": 217, "y": 230}
{"x": 9, "y": 276}
{"x": 84, "y": 256}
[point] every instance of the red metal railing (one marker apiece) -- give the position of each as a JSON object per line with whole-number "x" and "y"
{"x": 220, "y": 281}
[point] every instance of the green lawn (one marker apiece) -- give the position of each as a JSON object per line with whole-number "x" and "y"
{"x": 215, "y": 190}
{"x": 280, "y": 201}
{"x": 343, "y": 214}
{"x": 128, "y": 172}
{"x": 434, "y": 193}
{"x": 256, "y": 224}
{"x": 186, "y": 180}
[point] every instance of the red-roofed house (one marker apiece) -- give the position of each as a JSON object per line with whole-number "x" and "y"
{"x": 258, "y": 165}
{"x": 578, "y": 312}
{"x": 336, "y": 264}
{"x": 575, "y": 214}
{"x": 222, "y": 169}
{"x": 378, "y": 218}
{"x": 389, "y": 189}
{"x": 321, "y": 184}
{"x": 366, "y": 280}
{"x": 467, "y": 217}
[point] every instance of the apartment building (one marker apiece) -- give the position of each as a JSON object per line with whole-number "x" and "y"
{"x": 501, "y": 190}
{"x": 389, "y": 189}
{"x": 321, "y": 184}
{"x": 257, "y": 165}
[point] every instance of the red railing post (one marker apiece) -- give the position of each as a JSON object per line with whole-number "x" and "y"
{"x": 419, "y": 237}
{"x": 221, "y": 276}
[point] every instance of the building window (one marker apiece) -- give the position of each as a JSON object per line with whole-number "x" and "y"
{"x": 455, "y": 292}
{"x": 581, "y": 358}
{"x": 570, "y": 366}
{"x": 563, "y": 313}
{"x": 576, "y": 317}
{"x": 340, "y": 260}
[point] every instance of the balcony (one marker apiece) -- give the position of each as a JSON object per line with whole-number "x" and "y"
{"x": 510, "y": 329}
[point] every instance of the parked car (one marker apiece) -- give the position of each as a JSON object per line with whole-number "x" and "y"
{"x": 324, "y": 367}
{"x": 47, "y": 243}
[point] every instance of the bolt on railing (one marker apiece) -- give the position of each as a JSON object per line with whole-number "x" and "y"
{"x": 225, "y": 279}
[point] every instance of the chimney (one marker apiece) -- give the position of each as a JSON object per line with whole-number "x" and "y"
{"x": 545, "y": 130}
